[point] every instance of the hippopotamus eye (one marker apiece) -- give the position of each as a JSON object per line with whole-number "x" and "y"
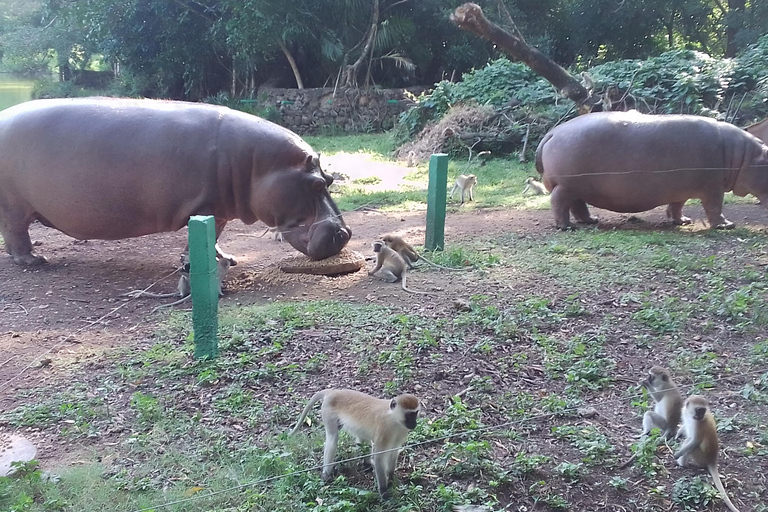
{"x": 319, "y": 185}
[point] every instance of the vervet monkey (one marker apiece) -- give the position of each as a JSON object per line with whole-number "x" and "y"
{"x": 701, "y": 444}
{"x": 383, "y": 423}
{"x": 588, "y": 82}
{"x": 667, "y": 410}
{"x": 536, "y": 187}
{"x": 466, "y": 183}
{"x": 407, "y": 252}
{"x": 411, "y": 161}
{"x": 669, "y": 403}
{"x": 277, "y": 236}
{"x": 222, "y": 267}
{"x": 182, "y": 288}
{"x": 391, "y": 266}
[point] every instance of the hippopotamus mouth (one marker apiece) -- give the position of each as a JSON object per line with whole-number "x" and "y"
{"x": 322, "y": 235}
{"x": 319, "y": 240}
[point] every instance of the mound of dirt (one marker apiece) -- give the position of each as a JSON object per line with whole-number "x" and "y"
{"x": 435, "y": 137}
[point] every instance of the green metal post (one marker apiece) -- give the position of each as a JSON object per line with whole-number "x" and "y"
{"x": 205, "y": 285}
{"x": 436, "y": 198}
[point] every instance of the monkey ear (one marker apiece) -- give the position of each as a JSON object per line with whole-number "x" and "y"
{"x": 393, "y": 404}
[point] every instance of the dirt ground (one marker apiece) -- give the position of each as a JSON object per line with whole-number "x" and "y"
{"x": 56, "y": 313}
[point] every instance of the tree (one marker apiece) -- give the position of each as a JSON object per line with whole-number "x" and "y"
{"x": 470, "y": 17}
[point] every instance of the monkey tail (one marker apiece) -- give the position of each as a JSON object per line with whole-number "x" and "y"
{"x": 175, "y": 303}
{"x": 719, "y": 485}
{"x": 312, "y": 401}
{"x": 539, "y": 151}
{"x": 402, "y": 281}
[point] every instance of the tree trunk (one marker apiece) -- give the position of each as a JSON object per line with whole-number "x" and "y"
{"x": 735, "y": 10}
{"x": 292, "y": 62}
{"x": 351, "y": 72}
{"x": 470, "y": 17}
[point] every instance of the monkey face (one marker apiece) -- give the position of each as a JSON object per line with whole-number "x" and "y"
{"x": 410, "y": 419}
{"x": 699, "y": 413}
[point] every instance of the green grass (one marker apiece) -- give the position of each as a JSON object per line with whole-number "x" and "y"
{"x": 500, "y": 181}
{"x": 549, "y": 324}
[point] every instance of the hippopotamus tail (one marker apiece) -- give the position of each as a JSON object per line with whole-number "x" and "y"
{"x": 539, "y": 151}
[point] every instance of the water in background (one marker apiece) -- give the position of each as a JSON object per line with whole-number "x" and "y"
{"x": 14, "y": 90}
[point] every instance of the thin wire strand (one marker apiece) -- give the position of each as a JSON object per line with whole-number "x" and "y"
{"x": 78, "y": 331}
{"x": 464, "y": 433}
{"x": 607, "y": 173}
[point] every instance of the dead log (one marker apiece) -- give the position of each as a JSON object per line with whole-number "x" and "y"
{"x": 470, "y": 17}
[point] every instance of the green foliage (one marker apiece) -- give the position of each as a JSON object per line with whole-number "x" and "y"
{"x": 693, "y": 493}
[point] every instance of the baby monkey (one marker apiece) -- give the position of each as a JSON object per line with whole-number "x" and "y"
{"x": 383, "y": 423}
{"x": 667, "y": 409}
{"x": 465, "y": 183}
{"x": 407, "y": 252}
{"x": 669, "y": 403}
{"x": 391, "y": 266}
{"x": 536, "y": 187}
{"x": 701, "y": 446}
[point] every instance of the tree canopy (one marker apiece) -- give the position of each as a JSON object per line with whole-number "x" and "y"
{"x": 191, "y": 49}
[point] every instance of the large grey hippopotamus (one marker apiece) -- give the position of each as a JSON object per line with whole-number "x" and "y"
{"x": 632, "y": 162}
{"x": 105, "y": 168}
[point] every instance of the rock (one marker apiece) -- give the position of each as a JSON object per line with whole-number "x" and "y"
{"x": 14, "y": 449}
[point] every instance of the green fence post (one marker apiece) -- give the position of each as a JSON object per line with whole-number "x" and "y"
{"x": 204, "y": 284}
{"x": 436, "y": 197}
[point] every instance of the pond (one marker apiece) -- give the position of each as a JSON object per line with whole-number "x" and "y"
{"x": 14, "y": 90}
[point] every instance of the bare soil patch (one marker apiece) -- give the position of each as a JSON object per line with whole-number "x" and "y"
{"x": 47, "y": 313}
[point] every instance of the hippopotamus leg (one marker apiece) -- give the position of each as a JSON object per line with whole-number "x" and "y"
{"x": 561, "y": 207}
{"x": 675, "y": 214}
{"x": 713, "y": 207}
{"x": 580, "y": 212}
{"x": 17, "y": 242}
{"x": 220, "y": 225}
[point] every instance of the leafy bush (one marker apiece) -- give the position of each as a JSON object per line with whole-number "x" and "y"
{"x": 678, "y": 81}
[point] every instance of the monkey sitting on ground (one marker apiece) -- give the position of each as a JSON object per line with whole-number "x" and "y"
{"x": 465, "y": 183}
{"x": 666, "y": 412}
{"x": 391, "y": 266}
{"x": 536, "y": 187}
{"x": 383, "y": 423}
{"x": 669, "y": 403}
{"x": 412, "y": 161}
{"x": 701, "y": 445}
{"x": 182, "y": 288}
{"x": 407, "y": 252}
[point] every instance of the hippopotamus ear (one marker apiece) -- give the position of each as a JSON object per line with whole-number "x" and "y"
{"x": 311, "y": 163}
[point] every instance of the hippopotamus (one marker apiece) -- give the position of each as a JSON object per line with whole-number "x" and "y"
{"x": 632, "y": 162}
{"x": 106, "y": 168}
{"x": 759, "y": 130}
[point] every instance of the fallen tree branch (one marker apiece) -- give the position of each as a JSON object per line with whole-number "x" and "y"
{"x": 470, "y": 17}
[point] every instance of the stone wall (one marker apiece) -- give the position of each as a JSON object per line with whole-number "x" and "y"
{"x": 309, "y": 111}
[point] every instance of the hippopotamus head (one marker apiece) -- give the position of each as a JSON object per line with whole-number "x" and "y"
{"x": 297, "y": 201}
{"x": 753, "y": 178}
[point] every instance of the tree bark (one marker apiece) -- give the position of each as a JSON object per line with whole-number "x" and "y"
{"x": 294, "y": 67}
{"x": 351, "y": 72}
{"x": 732, "y": 28}
{"x": 470, "y": 17}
